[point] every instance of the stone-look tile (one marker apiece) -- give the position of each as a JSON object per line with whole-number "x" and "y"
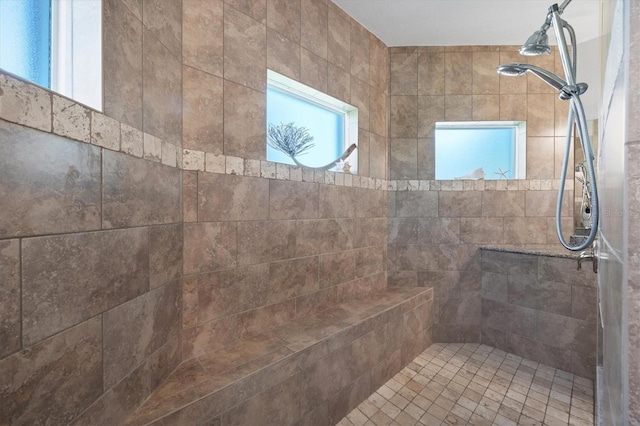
{"x": 260, "y": 242}
{"x": 360, "y": 47}
{"x": 510, "y": 263}
{"x": 535, "y": 84}
{"x": 336, "y": 268}
{"x": 458, "y": 73}
{"x": 540, "y": 115}
{"x": 509, "y": 318}
{"x": 458, "y": 257}
{"x": 165, "y": 254}
{"x": 503, "y": 203}
{"x": 417, "y": 257}
{"x": 231, "y": 291}
{"x": 458, "y": 107}
{"x": 169, "y": 154}
{"x": 189, "y": 301}
{"x": 51, "y": 185}
{"x": 543, "y": 204}
{"x": 291, "y": 278}
{"x": 244, "y": 122}
{"x": 313, "y": 71}
{"x": 403, "y": 162}
{"x": 323, "y": 236}
{"x": 71, "y": 119}
{"x": 369, "y": 202}
{"x": 118, "y": 402}
{"x": 486, "y": 107}
{"x": 495, "y": 287}
{"x": 202, "y": 35}
{"x": 339, "y": 40}
{"x": 584, "y": 303}
{"x": 486, "y": 230}
{"x": 68, "y": 279}
{"x": 360, "y": 99}
{"x": 485, "y": 78}
{"x": 257, "y": 9}
{"x": 370, "y": 260}
{"x": 208, "y": 337}
{"x": 403, "y": 117}
{"x": 460, "y": 204}
{"x": 209, "y": 246}
{"x": 430, "y": 110}
{"x": 293, "y": 200}
{"x": 131, "y": 141}
{"x": 231, "y": 198}
{"x": 137, "y": 192}
{"x": 404, "y": 230}
{"x": 377, "y": 156}
{"x": 164, "y": 19}
{"x": 511, "y": 85}
{"x": 10, "y": 333}
{"x": 316, "y": 302}
{"x": 122, "y": 56}
{"x": 55, "y": 380}
{"x": 417, "y": 204}
{"x": 404, "y": 73}
{"x": 337, "y": 202}
{"x": 105, "y": 131}
{"x": 461, "y": 311}
{"x": 378, "y": 65}
{"x": 189, "y": 196}
{"x": 283, "y": 55}
{"x": 314, "y": 23}
{"x": 245, "y": 50}
{"x": 513, "y": 107}
{"x": 283, "y": 16}
{"x": 378, "y": 111}
{"x": 564, "y": 271}
{"x": 162, "y": 90}
{"x": 152, "y": 148}
{"x": 24, "y": 103}
{"x": 202, "y": 111}
{"x": 252, "y": 323}
{"x": 363, "y": 152}
{"x": 431, "y": 74}
{"x": 438, "y": 230}
{"x": 540, "y": 295}
{"x": 134, "y": 330}
{"x": 338, "y": 83}
{"x": 426, "y": 159}
{"x": 565, "y": 332}
{"x": 525, "y": 230}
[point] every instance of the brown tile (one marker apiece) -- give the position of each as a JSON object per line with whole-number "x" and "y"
{"x": 405, "y": 230}
{"x": 359, "y": 52}
{"x": 339, "y": 40}
{"x": 460, "y": 204}
{"x": 209, "y": 336}
{"x": 338, "y": 83}
{"x": 431, "y": 73}
{"x": 426, "y": 159}
{"x": 525, "y": 230}
{"x": 495, "y": 286}
{"x": 379, "y": 65}
{"x": 510, "y": 85}
{"x": 257, "y": 9}
{"x": 430, "y": 111}
{"x": 486, "y": 107}
{"x": 540, "y": 158}
{"x": 360, "y": 99}
{"x": 503, "y": 203}
{"x": 336, "y": 268}
{"x": 459, "y": 257}
{"x": 544, "y": 203}
{"x": 337, "y": 201}
{"x": 230, "y": 197}
{"x": 481, "y": 230}
{"x": 51, "y": 184}
{"x": 369, "y": 202}
{"x": 240, "y": 353}
{"x": 404, "y": 73}
{"x": 283, "y": 55}
{"x": 323, "y": 236}
{"x": 417, "y": 257}
{"x": 245, "y": 50}
{"x": 370, "y": 261}
{"x": 284, "y": 17}
{"x": 209, "y": 246}
{"x": 251, "y": 323}
{"x": 458, "y": 73}
{"x": 265, "y": 241}
{"x": 162, "y": 90}
{"x": 291, "y": 278}
{"x": 164, "y": 20}
{"x": 318, "y": 301}
{"x": 545, "y": 296}
{"x": 486, "y": 80}
{"x": 165, "y": 254}
{"x": 59, "y": 388}
{"x": 189, "y": 196}
{"x": 293, "y": 200}
{"x": 135, "y": 329}
{"x": 138, "y": 192}
{"x": 10, "y": 332}
{"x": 313, "y": 70}
{"x": 403, "y": 117}
{"x": 540, "y": 115}
{"x": 231, "y": 291}
{"x": 244, "y": 122}
{"x": 189, "y": 301}
{"x": 403, "y": 162}
{"x": 513, "y": 107}
{"x": 314, "y": 26}
{"x": 122, "y": 56}
{"x": 79, "y": 276}
{"x": 378, "y": 156}
{"x": 515, "y": 320}
{"x": 202, "y": 35}
{"x": 564, "y": 271}
{"x": 458, "y": 107}
{"x": 202, "y": 109}
{"x": 417, "y": 204}
{"x": 370, "y": 232}
{"x": 584, "y": 303}
{"x": 439, "y": 230}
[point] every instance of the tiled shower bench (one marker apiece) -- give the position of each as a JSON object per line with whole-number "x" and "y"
{"x": 312, "y": 371}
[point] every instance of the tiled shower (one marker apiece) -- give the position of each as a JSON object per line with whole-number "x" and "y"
{"x": 155, "y": 268}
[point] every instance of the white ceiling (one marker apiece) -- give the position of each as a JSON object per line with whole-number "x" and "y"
{"x": 466, "y": 22}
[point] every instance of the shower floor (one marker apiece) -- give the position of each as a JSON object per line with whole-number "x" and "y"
{"x": 473, "y": 384}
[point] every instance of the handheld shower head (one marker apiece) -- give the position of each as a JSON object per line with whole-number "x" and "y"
{"x": 537, "y": 43}
{"x": 547, "y": 76}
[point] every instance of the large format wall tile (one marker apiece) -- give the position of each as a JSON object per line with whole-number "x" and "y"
{"x": 9, "y": 297}
{"x": 245, "y": 121}
{"x": 230, "y": 198}
{"x": 314, "y": 26}
{"x": 164, "y": 19}
{"x": 136, "y": 329}
{"x": 165, "y": 254}
{"x": 266, "y": 241}
{"x": 202, "y": 35}
{"x": 209, "y": 246}
{"x": 202, "y": 109}
{"x": 49, "y": 184}
{"x": 293, "y": 200}
{"x": 68, "y": 279}
{"x": 122, "y": 57}
{"x": 55, "y": 380}
{"x": 137, "y": 192}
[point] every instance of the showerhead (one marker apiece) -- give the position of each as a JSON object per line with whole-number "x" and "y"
{"x": 536, "y": 44}
{"x": 519, "y": 69}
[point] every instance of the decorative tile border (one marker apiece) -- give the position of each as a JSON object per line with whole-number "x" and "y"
{"x": 27, "y": 104}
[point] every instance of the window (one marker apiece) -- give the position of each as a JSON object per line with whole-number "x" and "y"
{"x": 481, "y": 150}
{"x": 331, "y": 123}
{"x": 55, "y": 44}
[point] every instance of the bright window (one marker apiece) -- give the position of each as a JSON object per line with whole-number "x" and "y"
{"x": 481, "y": 150}
{"x": 331, "y": 123}
{"x": 55, "y": 44}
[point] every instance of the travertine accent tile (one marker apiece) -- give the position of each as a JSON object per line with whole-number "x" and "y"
{"x": 136, "y": 329}
{"x": 164, "y": 19}
{"x": 138, "y": 192}
{"x": 131, "y": 140}
{"x": 245, "y": 50}
{"x": 231, "y": 198}
{"x": 339, "y": 39}
{"x": 234, "y": 165}
{"x": 105, "y": 131}
{"x": 244, "y": 122}
{"x": 59, "y": 388}
{"x": 202, "y": 35}
{"x": 71, "y": 119}
{"x": 314, "y": 26}
{"x": 10, "y": 332}
{"x": 202, "y": 119}
{"x": 152, "y": 147}
{"x": 209, "y": 246}
{"x": 24, "y": 103}
{"x": 51, "y": 184}
{"x": 79, "y": 276}
{"x": 195, "y": 160}
{"x": 165, "y": 254}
